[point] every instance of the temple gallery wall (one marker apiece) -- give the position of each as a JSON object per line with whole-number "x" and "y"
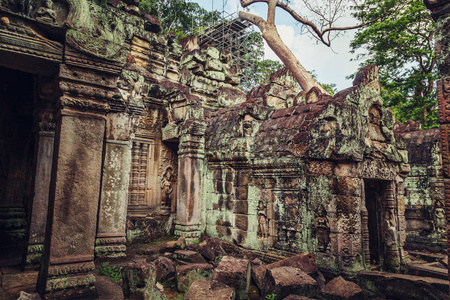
{"x": 114, "y": 134}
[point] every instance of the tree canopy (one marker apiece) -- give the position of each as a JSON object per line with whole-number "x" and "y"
{"x": 402, "y": 45}
{"x": 179, "y": 16}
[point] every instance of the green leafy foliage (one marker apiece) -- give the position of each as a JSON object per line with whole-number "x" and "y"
{"x": 259, "y": 69}
{"x": 113, "y": 272}
{"x": 401, "y": 43}
{"x": 179, "y": 16}
{"x": 271, "y": 297}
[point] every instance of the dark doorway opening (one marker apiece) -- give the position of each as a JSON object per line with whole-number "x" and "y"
{"x": 374, "y": 194}
{"x": 16, "y": 161}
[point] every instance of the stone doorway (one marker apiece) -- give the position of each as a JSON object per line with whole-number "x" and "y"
{"x": 17, "y": 145}
{"x": 375, "y": 191}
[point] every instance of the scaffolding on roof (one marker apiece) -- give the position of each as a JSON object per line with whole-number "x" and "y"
{"x": 234, "y": 36}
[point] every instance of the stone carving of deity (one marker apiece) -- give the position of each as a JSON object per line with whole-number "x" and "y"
{"x": 263, "y": 228}
{"x": 323, "y": 230}
{"x": 439, "y": 218}
{"x": 46, "y": 13}
{"x": 167, "y": 188}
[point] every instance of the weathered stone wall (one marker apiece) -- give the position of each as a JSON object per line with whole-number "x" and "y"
{"x": 424, "y": 187}
{"x": 294, "y": 178}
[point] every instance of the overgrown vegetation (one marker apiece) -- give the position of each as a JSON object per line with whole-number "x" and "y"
{"x": 113, "y": 272}
{"x": 402, "y": 46}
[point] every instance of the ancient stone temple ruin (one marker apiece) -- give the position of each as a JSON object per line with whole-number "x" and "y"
{"x": 114, "y": 134}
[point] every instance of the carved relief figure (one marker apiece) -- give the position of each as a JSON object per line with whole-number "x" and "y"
{"x": 46, "y": 13}
{"x": 26, "y": 6}
{"x": 323, "y": 230}
{"x": 439, "y": 218}
{"x": 167, "y": 188}
{"x": 263, "y": 230}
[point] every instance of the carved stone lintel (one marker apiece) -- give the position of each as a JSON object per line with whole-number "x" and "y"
{"x": 18, "y": 38}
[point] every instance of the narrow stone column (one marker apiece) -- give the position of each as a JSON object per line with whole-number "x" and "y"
{"x": 440, "y": 11}
{"x": 41, "y": 192}
{"x": 115, "y": 181}
{"x": 68, "y": 261}
{"x": 190, "y": 166}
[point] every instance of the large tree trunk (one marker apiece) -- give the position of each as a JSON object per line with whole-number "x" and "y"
{"x": 273, "y": 39}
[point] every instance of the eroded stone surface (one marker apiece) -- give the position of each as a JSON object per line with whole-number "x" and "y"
{"x": 284, "y": 281}
{"x": 236, "y": 273}
{"x": 339, "y": 288}
{"x": 209, "y": 290}
{"x": 187, "y": 274}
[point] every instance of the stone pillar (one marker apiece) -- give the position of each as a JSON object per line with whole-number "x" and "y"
{"x": 68, "y": 262}
{"x": 39, "y": 210}
{"x": 115, "y": 181}
{"x": 389, "y": 227}
{"x": 189, "y": 189}
{"x": 440, "y": 11}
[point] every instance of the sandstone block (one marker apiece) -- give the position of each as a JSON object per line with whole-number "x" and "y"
{"x": 137, "y": 278}
{"x": 341, "y": 289}
{"x": 215, "y": 75}
{"x": 213, "y": 52}
{"x": 189, "y": 256}
{"x": 187, "y": 274}
{"x": 241, "y": 192}
{"x": 241, "y": 207}
{"x": 297, "y": 297}
{"x": 305, "y": 262}
{"x": 234, "y": 272}
{"x": 242, "y": 178}
{"x": 164, "y": 268}
{"x": 242, "y": 222}
{"x": 209, "y": 290}
{"x": 213, "y": 64}
{"x": 283, "y": 281}
{"x": 106, "y": 288}
{"x": 211, "y": 249}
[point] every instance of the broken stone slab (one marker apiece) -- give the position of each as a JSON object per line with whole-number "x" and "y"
{"x": 434, "y": 270}
{"x": 283, "y": 281}
{"x": 29, "y": 296}
{"x": 401, "y": 286}
{"x": 236, "y": 273}
{"x": 137, "y": 277}
{"x": 187, "y": 274}
{"x": 164, "y": 268}
{"x": 189, "y": 256}
{"x": 211, "y": 249}
{"x": 296, "y": 297}
{"x": 108, "y": 289}
{"x": 209, "y": 290}
{"x": 305, "y": 262}
{"x": 444, "y": 261}
{"x": 341, "y": 289}
{"x": 169, "y": 246}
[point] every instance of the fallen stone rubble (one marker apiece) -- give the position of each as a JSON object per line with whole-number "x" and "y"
{"x": 215, "y": 270}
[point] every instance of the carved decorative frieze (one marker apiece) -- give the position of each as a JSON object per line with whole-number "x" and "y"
{"x": 76, "y": 58}
{"x": 378, "y": 169}
{"x": 443, "y": 91}
{"x": 75, "y": 268}
{"x": 86, "y": 89}
{"x": 445, "y": 151}
{"x": 18, "y": 37}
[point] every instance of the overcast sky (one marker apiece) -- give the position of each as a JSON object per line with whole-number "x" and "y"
{"x": 331, "y": 65}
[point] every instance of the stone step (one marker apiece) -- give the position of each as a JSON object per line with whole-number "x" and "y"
{"x": 403, "y": 286}
{"x": 429, "y": 257}
{"x": 427, "y": 270}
